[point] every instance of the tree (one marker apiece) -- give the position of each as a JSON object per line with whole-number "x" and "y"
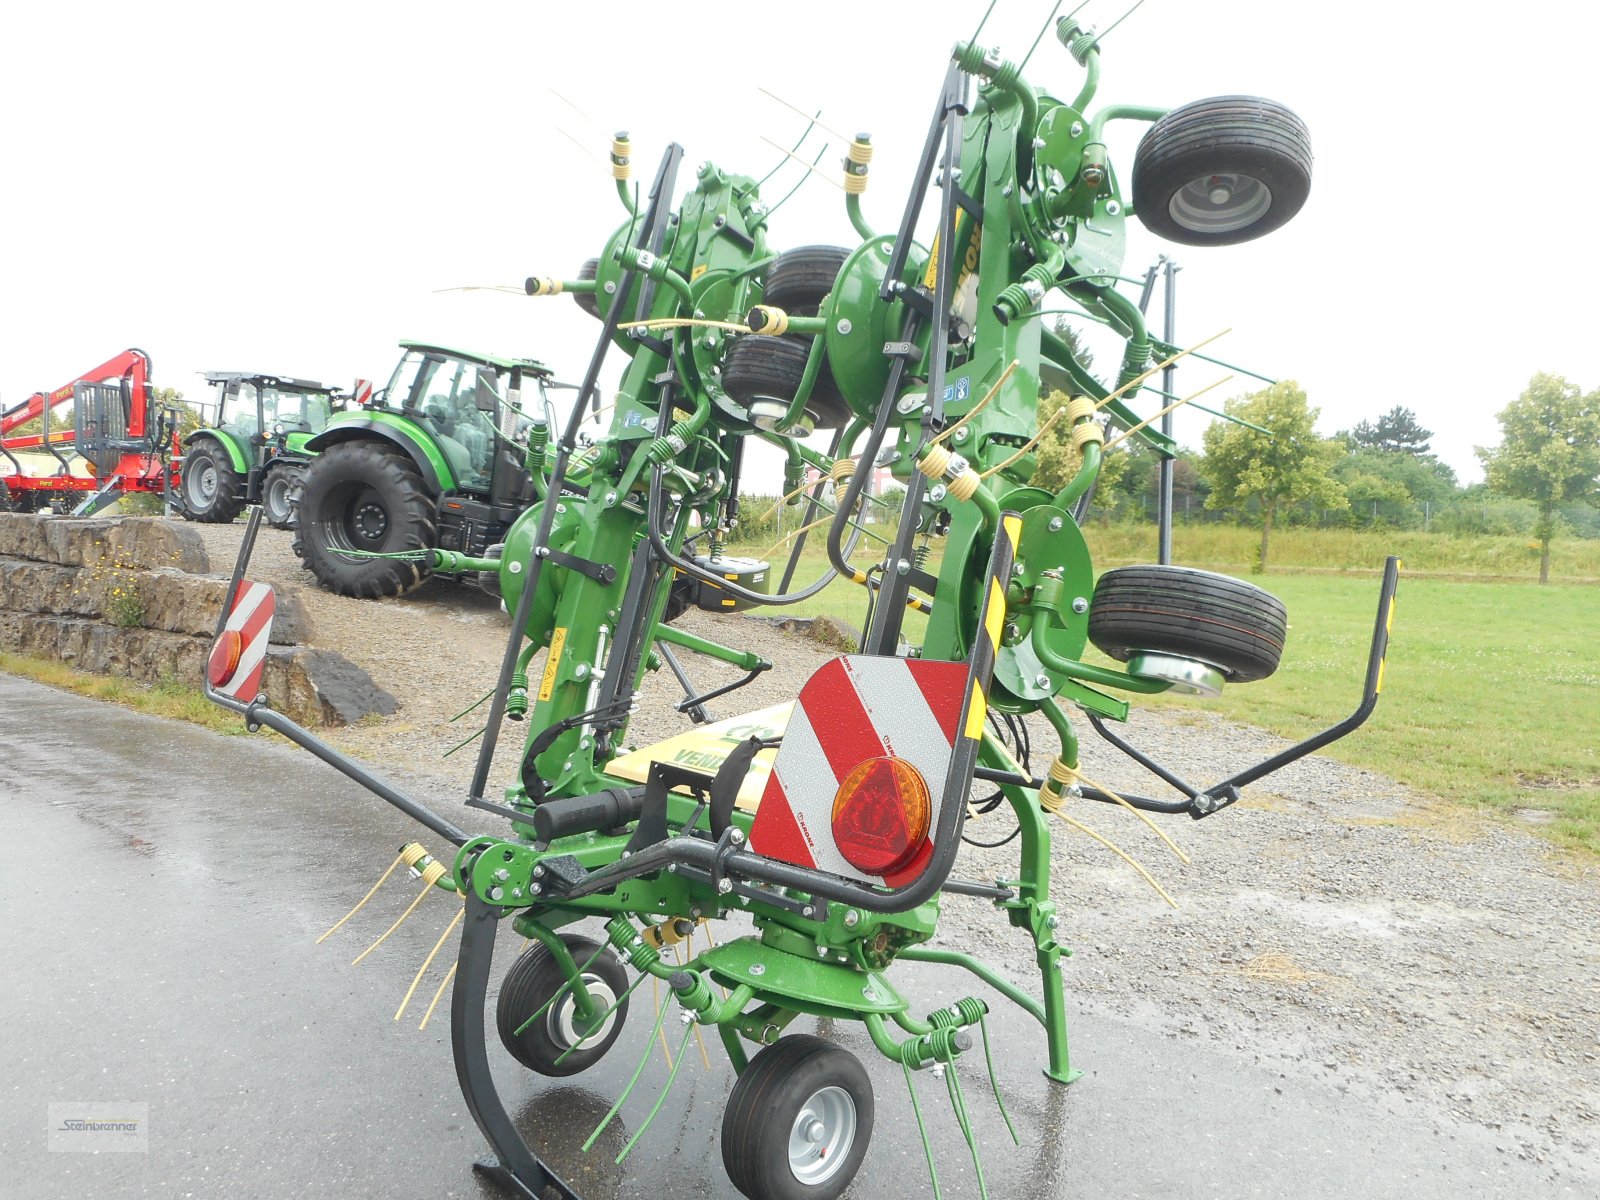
{"x": 1549, "y": 453}
{"x": 1058, "y": 460}
{"x": 1396, "y": 429}
{"x": 1287, "y": 466}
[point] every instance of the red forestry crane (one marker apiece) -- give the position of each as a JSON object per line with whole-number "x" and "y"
{"x": 120, "y": 440}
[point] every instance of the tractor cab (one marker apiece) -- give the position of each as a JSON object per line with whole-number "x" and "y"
{"x": 470, "y": 405}
{"x": 255, "y": 448}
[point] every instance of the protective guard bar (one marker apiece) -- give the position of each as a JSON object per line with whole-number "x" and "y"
{"x": 258, "y": 713}
{"x": 726, "y": 858}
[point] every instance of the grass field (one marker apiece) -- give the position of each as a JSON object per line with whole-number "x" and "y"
{"x": 163, "y": 698}
{"x": 1492, "y": 694}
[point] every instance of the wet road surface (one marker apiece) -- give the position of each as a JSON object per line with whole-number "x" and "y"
{"x": 164, "y": 888}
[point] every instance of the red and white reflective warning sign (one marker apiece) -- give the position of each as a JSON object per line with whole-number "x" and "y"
{"x": 239, "y": 655}
{"x": 362, "y": 392}
{"x": 855, "y": 709}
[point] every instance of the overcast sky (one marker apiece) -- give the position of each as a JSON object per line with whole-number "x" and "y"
{"x": 285, "y": 187}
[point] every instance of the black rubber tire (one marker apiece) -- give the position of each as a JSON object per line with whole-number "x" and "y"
{"x": 765, "y": 1104}
{"x": 5, "y": 498}
{"x": 210, "y": 487}
{"x": 1216, "y": 619}
{"x": 589, "y": 302}
{"x": 276, "y": 488}
{"x": 364, "y": 495}
{"x": 799, "y": 279}
{"x": 772, "y": 367}
{"x": 1222, "y": 136}
{"x": 532, "y": 980}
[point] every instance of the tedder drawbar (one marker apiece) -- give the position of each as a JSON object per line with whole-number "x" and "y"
{"x": 931, "y": 362}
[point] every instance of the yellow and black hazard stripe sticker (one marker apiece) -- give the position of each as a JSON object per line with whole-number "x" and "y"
{"x": 987, "y": 645}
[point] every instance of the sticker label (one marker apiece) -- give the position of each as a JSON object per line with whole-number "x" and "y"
{"x": 558, "y": 643}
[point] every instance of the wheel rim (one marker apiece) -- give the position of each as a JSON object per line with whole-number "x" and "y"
{"x": 562, "y": 1020}
{"x": 1220, "y": 203}
{"x": 277, "y": 496}
{"x": 203, "y": 483}
{"x": 821, "y": 1136}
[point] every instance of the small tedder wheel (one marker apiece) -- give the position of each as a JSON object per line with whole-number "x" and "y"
{"x": 587, "y": 301}
{"x": 528, "y": 986}
{"x": 764, "y": 373}
{"x": 798, "y": 279}
{"x": 798, "y": 1121}
{"x": 210, "y": 484}
{"x": 361, "y": 496}
{"x": 1221, "y": 171}
{"x": 680, "y": 599}
{"x": 1223, "y": 622}
{"x": 275, "y": 492}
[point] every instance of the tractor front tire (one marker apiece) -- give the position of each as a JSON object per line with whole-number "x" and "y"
{"x": 210, "y": 486}
{"x": 276, "y": 490}
{"x": 1222, "y": 171}
{"x": 545, "y": 1044}
{"x": 798, "y": 1121}
{"x": 362, "y": 496}
{"x": 1223, "y": 622}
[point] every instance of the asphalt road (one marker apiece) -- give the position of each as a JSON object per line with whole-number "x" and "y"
{"x": 164, "y": 888}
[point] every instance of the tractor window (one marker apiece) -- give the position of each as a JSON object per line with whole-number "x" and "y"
{"x": 239, "y": 410}
{"x": 445, "y": 396}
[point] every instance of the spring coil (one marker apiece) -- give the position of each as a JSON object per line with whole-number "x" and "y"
{"x": 631, "y": 945}
{"x": 1061, "y": 778}
{"x": 841, "y": 472}
{"x": 1078, "y": 40}
{"x": 695, "y": 992}
{"x": 517, "y": 697}
{"x": 672, "y": 445}
{"x": 538, "y": 439}
{"x": 621, "y": 163}
{"x": 794, "y": 477}
{"x": 1080, "y": 411}
{"x": 967, "y": 1011}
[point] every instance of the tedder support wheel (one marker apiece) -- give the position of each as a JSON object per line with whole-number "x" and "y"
{"x": 532, "y": 981}
{"x": 210, "y": 484}
{"x": 589, "y": 302}
{"x": 275, "y": 493}
{"x": 363, "y": 496}
{"x": 798, "y": 1121}
{"x": 1221, "y": 171}
{"x": 1223, "y": 622}
{"x": 798, "y": 279}
{"x": 768, "y": 371}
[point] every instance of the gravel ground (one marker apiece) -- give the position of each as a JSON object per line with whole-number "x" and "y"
{"x": 1332, "y": 924}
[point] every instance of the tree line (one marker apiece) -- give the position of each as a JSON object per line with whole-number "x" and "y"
{"x": 1542, "y": 479}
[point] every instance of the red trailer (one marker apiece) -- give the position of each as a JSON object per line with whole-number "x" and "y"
{"x": 121, "y": 440}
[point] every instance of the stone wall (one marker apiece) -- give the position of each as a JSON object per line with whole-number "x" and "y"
{"x": 133, "y": 596}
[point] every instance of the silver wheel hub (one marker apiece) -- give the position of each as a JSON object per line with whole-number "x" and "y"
{"x": 1220, "y": 203}
{"x": 203, "y": 483}
{"x": 562, "y": 1021}
{"x": 821, "y": 1136}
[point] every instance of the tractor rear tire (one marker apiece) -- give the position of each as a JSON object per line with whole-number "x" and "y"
{"x": 1224, "y": 622}
{"x": 1222, "y": 171}
{"x": 276, "y": 489}
{"x": 798, "y": 1121}
{"x": 211, "y": 491}
{"x": 360, "y": 495}
{"x": 531, "y": 983}
{"x": 588, "y": 301}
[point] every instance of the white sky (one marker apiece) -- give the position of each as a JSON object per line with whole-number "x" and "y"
{"x": 284, "y": 186}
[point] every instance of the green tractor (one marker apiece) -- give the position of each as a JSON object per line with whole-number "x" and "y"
{"x": 256, "y": 450}
{"x": 436, "y": 460}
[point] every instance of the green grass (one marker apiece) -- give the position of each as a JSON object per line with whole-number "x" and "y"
{"x": 1492, "y": 693}
{"x": 164, "y": 698}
